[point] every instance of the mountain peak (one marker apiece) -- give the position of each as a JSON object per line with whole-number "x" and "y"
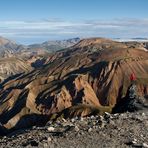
{"x": 4, "y": 41}
{"x": 93, "y": 41}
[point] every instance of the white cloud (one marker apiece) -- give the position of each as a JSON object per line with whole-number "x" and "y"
{"x": 57, "y": 29}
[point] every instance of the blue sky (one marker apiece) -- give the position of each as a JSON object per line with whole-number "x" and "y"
{"x": 31, "y": 21}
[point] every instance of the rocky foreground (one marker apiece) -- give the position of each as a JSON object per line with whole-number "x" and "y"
{"x": 108, "y": 131}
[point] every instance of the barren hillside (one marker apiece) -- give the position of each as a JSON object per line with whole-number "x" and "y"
{"x": 94, "y": 72}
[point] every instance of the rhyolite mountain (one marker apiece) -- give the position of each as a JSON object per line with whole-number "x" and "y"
{"x": 91, "y": 76}
{"x": 8, "y": 47}
{"x": 12, "y": 66}
{"x": 12, "y": 63}
{"x": 15, "y": 58}
{"x": 52, "y": 46}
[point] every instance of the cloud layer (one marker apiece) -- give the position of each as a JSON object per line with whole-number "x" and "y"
{"x": 48, "y": 29}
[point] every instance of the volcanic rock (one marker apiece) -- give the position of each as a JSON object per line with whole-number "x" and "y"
{"x": 88, "y": 78}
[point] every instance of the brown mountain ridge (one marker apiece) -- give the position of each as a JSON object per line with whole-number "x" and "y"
{"x": 94, "y": 74}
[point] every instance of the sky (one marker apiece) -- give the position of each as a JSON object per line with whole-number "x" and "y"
{"x": 35, "y": 21}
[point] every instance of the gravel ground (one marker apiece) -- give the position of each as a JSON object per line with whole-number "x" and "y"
{"x": 108, "y": 131}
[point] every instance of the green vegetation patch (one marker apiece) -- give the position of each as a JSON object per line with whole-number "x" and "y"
{"x": 81, "y": 110}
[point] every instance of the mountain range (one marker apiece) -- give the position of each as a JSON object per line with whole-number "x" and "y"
{"x": 8, "y": 47}
{"x": 91, "y": 76}
{"x": 16, "y": 58}
{"x": 52, "y": 46}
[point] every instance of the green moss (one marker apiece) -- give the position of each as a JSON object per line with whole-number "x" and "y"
{"x": 53, "y": 116}
{"x": 78, "y": 109}
{"x": 103, "y": 109}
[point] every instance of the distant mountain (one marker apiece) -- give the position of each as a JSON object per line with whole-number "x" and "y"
{"x": 139, "y": 43}
{"x": 52, "y": 46}
{"x": 5, "y": 42}
{"x": 12, "y": 66}
{"x": 15, "y": 58}
{"x": 138, "y": 39}
{"x": 8, "y": 47}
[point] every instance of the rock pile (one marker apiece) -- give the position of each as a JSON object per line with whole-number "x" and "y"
{"x": 132, "y": 102}
{"x": 111, "y": 130}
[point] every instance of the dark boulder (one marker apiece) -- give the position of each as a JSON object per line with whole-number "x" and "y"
{"x": 131, "y": 102}
{"x": 3, "y": 130}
